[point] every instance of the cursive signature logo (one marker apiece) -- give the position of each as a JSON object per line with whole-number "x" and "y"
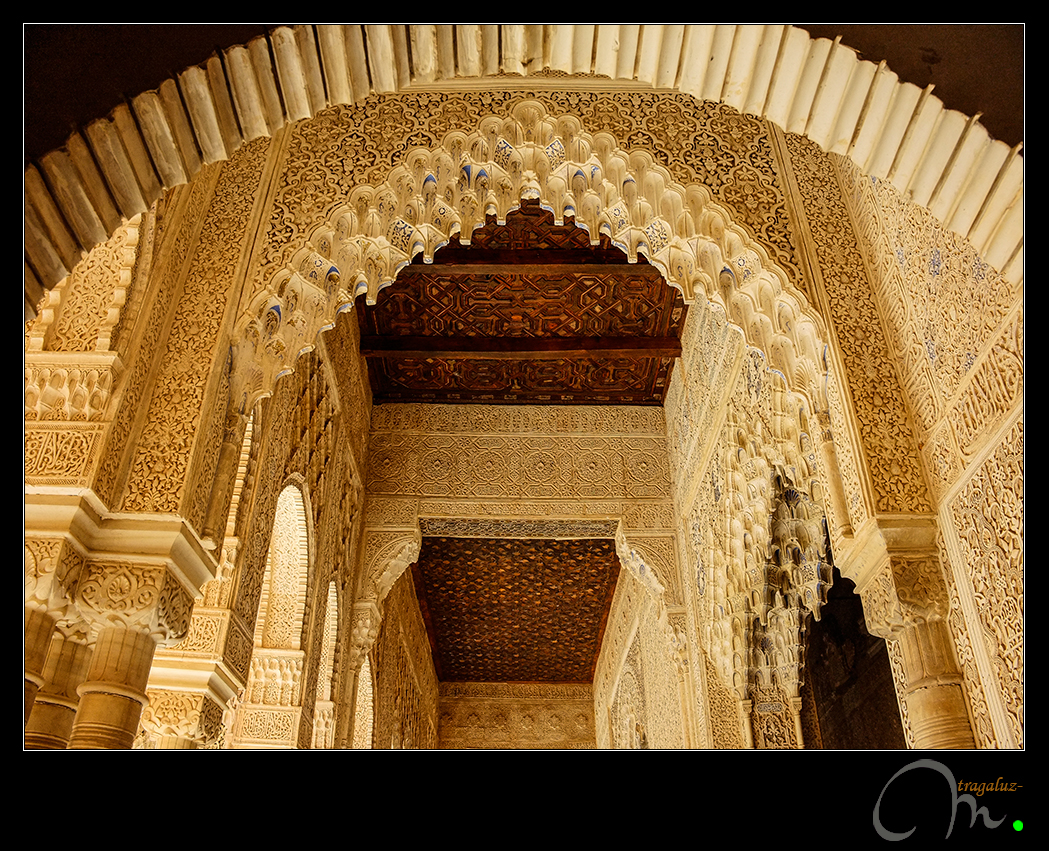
{"x": 956, "y": 799}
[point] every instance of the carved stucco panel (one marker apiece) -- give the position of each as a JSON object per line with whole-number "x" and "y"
{"x": 53, "y": 568}
{"x": 160, "y": 469}
{"x": 595, "y": 455}
{"x": 953, "y": 324}
{"x": 988, "y": 514}
{"x": 406, "y": 689}
{"x": 666, "y": 723}
{"x": 55, "y": 391}
{"x": 516, "y": 715}
{"x": 629, "y": 710}
{"x": 64, "y": 454}
{"x": 706, "y": 144}
{"x": 188, "y": 206}
{"x": 81, "y": 314}
{"x": 182, "y": 714}
{"x": 143, "y": 598}
{"x": 619, "y": 631}
{"x": 993, "y": 390}
{"x": 882, "y": 416}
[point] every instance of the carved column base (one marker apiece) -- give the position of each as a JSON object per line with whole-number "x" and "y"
{"x": 50, "y": 725}
{"x": 112, "y": 699}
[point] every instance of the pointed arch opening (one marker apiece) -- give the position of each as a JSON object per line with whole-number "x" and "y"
{"x": 270, "y": 714}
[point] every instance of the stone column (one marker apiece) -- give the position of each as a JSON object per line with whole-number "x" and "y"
{"x": 51, "y": 566}
{"x": 50, "y": 723}
{"x": 39, "y": 625}
{"x": 936, "y": 705}
{"x": 131, "y": 608}
{"x": 907, "y": 602}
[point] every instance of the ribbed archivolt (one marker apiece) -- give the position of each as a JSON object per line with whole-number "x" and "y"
{"x": 117, "y": 166}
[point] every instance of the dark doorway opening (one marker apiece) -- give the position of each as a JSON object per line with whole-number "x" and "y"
{"x": 848, "y": 700}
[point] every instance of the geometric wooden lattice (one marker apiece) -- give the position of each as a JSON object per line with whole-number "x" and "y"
{"x": 517, "y": 610}
{"x": 528, "y": 313}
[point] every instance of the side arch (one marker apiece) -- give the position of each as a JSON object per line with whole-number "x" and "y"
{"x": 270, "y": 713}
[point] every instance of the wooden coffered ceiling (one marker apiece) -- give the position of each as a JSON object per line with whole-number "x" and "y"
{"x": 515, "y": 610}
{"x": 528, "y": 313}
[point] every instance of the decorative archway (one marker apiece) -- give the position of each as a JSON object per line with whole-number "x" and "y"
{"x": 270, "y": 713}
{"x": 118, "y": 166}
{"x": 487, "y": 172}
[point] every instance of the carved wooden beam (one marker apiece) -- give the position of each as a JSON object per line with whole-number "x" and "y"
{"x": 519, "y": 348}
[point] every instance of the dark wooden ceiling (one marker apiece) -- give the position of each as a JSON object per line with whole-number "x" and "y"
{"x": 515, "y": 610}
{"x": 528, "y": 313}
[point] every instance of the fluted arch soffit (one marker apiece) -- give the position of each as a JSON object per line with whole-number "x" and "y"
{"x": 118, "y": 166}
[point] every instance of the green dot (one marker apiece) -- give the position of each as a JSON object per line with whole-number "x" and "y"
{"x": 1018, "y": 825}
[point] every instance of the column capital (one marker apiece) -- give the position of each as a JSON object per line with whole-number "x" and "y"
{"x": 146, "y": 598}
{"x": 364, "y": 629}
{"x": 193, "y": 718}
{"x": 52, "y": 570}
{"x": 909, "y": 590}
{"x": 79, "y": 516}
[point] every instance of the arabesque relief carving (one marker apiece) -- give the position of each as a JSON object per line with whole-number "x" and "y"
{"x": 954, "y": 324}
{"x": 511, "y": 715}
{"x": 142, "y": 598}
{"x": 187, "y": 208}
{"x": 158, "y": 473}
{"x": 989, "y": 518}
{"x": 885, "y": 432}
{"x": 182, "y": 715}
{"x": 784, "y": 432}
{"x": 371, "y": 231}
